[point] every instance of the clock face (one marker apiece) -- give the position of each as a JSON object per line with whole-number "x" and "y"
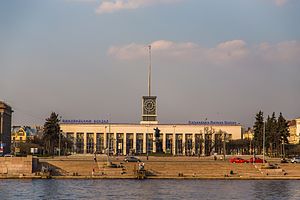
{"x": 149, "y": 105}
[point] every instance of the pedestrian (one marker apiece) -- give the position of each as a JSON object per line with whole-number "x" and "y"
{"x": 95, "y": 159}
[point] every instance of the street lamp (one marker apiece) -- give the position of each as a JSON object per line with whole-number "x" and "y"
{"x": 224, "y": 146}
{"x": 59, "y": 137}
{"x": 59, "y": 142}
{"x": 174, "y": 135}
{"x": 264, "y": 138}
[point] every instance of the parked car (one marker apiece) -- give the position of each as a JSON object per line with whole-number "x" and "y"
{"x": 131, "y": 159}
{"x": 295, "y": 160}
{"x": 9, "y": 155}
{"x": 284, "y": 160}
{"x": 238, "y": 160}
{"x": 256, "y": 160}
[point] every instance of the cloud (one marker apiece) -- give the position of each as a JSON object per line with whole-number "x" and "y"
{"x": 110, "y": 6}
{"x": 284, "y": 52}
{"x": 280, "y": 2}
{"x": 82, "y": 1}
{"x": 227, "y": 51}
{"x": 233, "y": 52}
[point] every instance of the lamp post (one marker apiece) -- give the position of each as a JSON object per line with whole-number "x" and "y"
{"x": 1, "y": 132}
{"x": 174, "y": 135}
{"x": 224, "y": 146}
{"x": 264, "y": 138}
{"x": 59, "y": 134}
{"x": 147, "y": 141}
{"x": 59, "y": 142}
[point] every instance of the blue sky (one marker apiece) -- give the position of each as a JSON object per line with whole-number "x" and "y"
{"x": 87, "y": 59}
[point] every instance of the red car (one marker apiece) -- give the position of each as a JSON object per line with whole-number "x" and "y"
{"x": 238, "y": 160}
{"x": 256, "y": 160}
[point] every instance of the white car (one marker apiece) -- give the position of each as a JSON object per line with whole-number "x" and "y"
{"x": 8, "y": 155}
{"x": 295, "y": 160}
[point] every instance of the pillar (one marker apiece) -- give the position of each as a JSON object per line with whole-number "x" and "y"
{"x": 145, "y": 143}
{"x": 164, "y": 142}
{"x": 75, "y": 140}
{"x": 134, "y": 142}
{"x": 174, "y": 144}
{"x": 194, "y": 143}
{"x": 124, "y": 143}
{"x": 154, "y": 144}
{"x": 105, "y": 138}
{"x": 95, "y": 142}
{"x": 115, "y": 143}
{"x": 84, "y": 142}
{"x": 183, "y": 143}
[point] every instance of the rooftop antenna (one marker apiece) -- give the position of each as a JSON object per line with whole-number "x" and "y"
{"x": 149, "y": 72}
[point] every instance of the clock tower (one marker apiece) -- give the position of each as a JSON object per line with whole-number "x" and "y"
{"x": 149, "y": 114}
{"x": 149, "y": 109}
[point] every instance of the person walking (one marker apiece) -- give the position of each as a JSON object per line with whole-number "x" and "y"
{"x": 95, "y": 159}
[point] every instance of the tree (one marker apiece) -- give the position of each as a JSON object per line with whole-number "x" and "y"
{"x": 51, "y": 133}
{"x": 258, "y": 131}
{"x": 282, "y": 130}
{"x": 271, "y": 135}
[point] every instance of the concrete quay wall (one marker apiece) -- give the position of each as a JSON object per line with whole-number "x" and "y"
{"x": 17, "y": 165}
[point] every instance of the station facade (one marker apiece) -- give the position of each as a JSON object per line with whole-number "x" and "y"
{"x": 125, "y": 139}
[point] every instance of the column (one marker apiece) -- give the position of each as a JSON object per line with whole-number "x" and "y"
{"x": 115, "y": 143}
{"x": 84, "y": 142}
{"x": 174, "y": 144}
{"x": 145, "y": 143}
{"x": 95, "y": 142}
{"x": 203, "y": 144}
{"x": 134, "y": 142}
{"x": 154, "y": 144}
{"x": 74, "y": 144}
{"x": 194, "y": 143}
{"x": 105, "y": 138}
{"x": 124, "y": 143}
{"x": 164, "y": 142}
{"x": 183, "y": 143}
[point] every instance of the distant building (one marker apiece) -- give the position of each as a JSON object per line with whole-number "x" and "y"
{"x": 21, "y": 134}
{"x": 249, "y": 134}
{"x": 294, "y": 128}
{"x": 5, "y": 127}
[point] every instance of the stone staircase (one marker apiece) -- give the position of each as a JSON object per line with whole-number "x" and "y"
{"x": 165, "y": 167}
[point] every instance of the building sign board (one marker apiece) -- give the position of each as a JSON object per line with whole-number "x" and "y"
{"x": 228, "y": 123}
{"x": 85, "y": 121}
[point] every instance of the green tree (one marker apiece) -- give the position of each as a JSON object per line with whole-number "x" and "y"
{"x": 271, "y": 135}
{"x": 51, "y": 133}
{"x": 258, "y": 131}
{"x": 282, "y": 130}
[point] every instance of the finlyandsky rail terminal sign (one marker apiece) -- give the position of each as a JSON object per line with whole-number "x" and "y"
{"x": 85, "y": 121}
{"x": 229, "y": 123}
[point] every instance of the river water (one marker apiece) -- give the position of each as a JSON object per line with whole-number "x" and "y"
{"x": 148, "y": 189}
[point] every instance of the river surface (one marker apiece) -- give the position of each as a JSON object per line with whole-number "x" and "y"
{"x": 149, "y": 189}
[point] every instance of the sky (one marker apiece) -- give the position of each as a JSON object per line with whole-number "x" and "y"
{"x": 211, "y": 59}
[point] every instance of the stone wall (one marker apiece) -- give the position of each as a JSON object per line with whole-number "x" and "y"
{"x": 17, "y": 165}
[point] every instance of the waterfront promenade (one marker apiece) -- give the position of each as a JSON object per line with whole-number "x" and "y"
{"x": 84, "y": 166}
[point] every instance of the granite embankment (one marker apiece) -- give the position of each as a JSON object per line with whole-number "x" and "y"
{"x": 84, "y": 166}
{"x": 167, "y": 167}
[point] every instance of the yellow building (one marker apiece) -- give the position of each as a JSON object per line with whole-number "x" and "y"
{"x": 19, "y": 134}
{"x": 249, "y": 134}
{"x": 176, "y": 139}
{"x": 294, "y": 128}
